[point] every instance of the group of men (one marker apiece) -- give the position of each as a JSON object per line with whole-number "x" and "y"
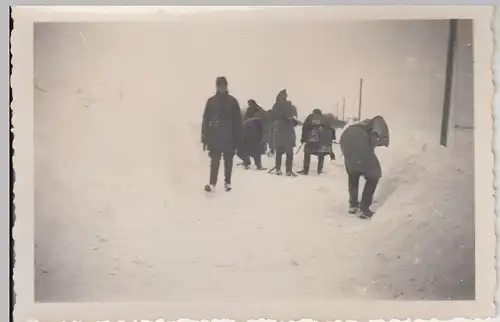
{"x": 225, "y": 133}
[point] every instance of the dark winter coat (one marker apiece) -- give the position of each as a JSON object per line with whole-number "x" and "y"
{"x": 253, "y": 136}
{"x": 254, "y": 129}
{"x": 358, "y": 144}
{"x": 317, "y": 135}
{"x": 222, "y": 124}
{"x": 284, "y": 116}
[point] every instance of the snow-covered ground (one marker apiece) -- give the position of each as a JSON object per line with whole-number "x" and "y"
{"x": 121, "y": 214}
{"x": 155, "y": 235}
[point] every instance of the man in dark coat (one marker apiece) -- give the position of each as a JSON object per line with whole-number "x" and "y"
{"x": 317, "y": 137}
{"x": 284, "y": 115}
{"x": 358, "y": 143}
{"x": 253, "y": 134}
{"x": 266, "y": 118}
{"x": 221, "y": 132}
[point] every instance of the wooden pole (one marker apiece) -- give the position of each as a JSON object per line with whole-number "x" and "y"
{"x": 343, "y": 109}
{"x": 448, "y": 82}
{"x": 360, "y": 98}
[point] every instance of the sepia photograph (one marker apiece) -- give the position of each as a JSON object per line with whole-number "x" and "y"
{"x": 257, "y": 156}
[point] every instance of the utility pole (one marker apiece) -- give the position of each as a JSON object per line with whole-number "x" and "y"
{"x": 343, "y": 109}
{"x": 360, "y": 98}
{"x": 448, "y": 83}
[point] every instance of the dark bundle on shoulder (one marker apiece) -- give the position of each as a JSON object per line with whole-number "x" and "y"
{"x": 378, "y": 129}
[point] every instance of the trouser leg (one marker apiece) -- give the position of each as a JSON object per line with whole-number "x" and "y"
{"x": 307, "y": 163}
{"x": 215, "y": 157}
{"x": 353, "y": 182}
{"x": 228, "y": 166}
{"x": 321, "y": 162}
{"x": 258, "y": 160}
{"x": 289, "y": 161}
{"x": 368, "y": 192}
{"x": 279, "y": 160}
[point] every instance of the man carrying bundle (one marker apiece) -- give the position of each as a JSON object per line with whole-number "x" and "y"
{"x": 317, "y": 137}
{"x": 253, "y": 136}
{"x": 358, "y": 143}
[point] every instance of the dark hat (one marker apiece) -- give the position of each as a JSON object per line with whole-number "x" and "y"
{"x": 221, "y": 81}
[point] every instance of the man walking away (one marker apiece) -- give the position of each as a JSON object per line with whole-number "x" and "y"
{"x": 317, "y": 136}
{"x": 284, "y": 114}
{"x": 221, "y": 132}
{"x": 253, "y": 136}
{"x": 358, "y": 143}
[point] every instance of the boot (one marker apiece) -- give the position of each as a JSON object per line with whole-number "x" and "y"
{"x": 210, "y": 188}
{"x": 366, "y": 214}
{"x": 353, "y": 210}
{"x": 258, "y": 163}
